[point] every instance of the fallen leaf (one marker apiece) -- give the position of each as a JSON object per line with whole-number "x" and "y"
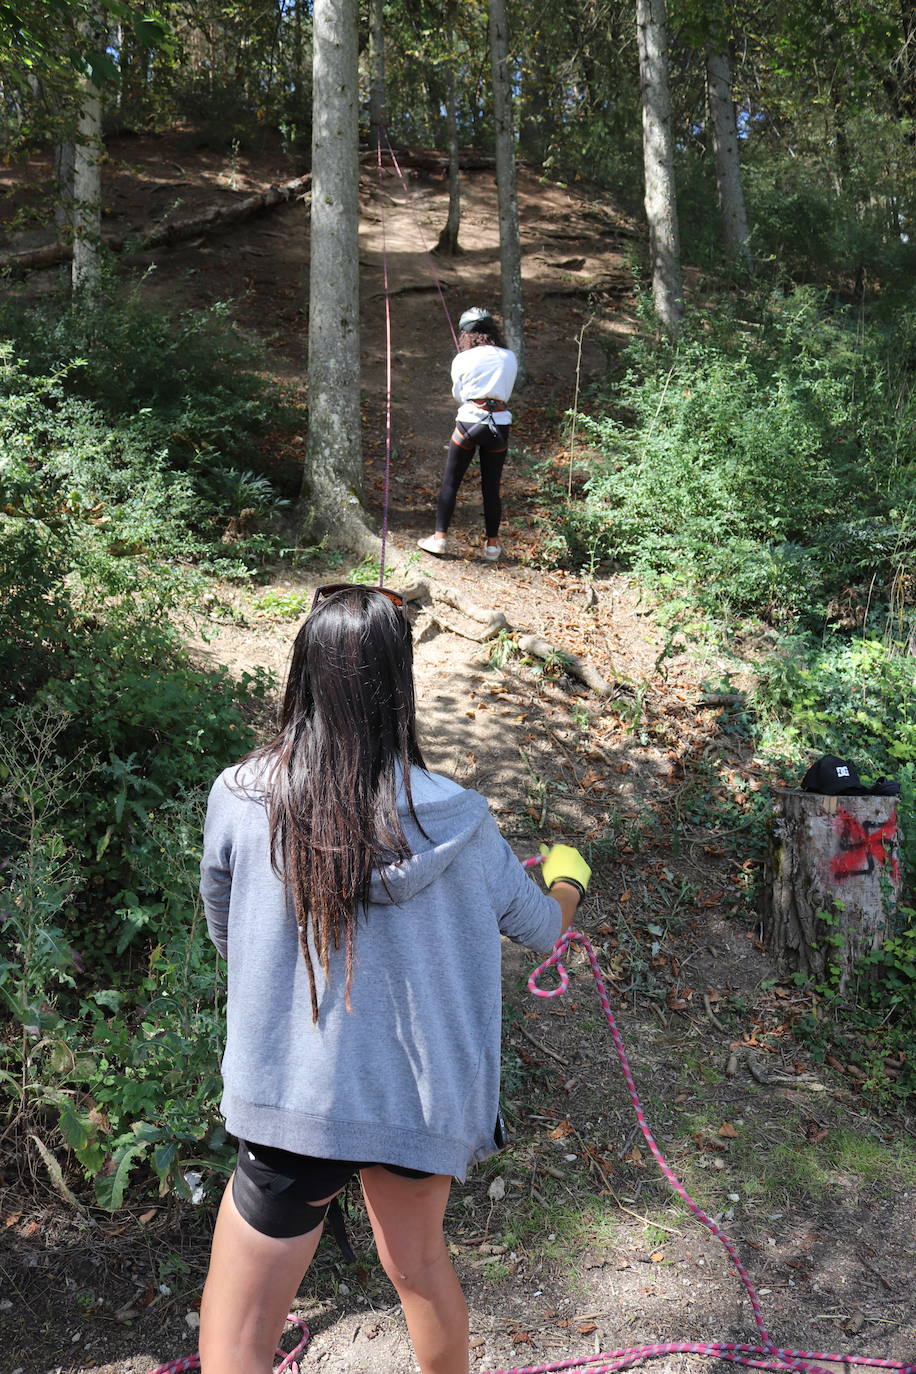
{"x": 561, "y": 1132}
{"x": 657, "y": 1256}
{"x": 586, "y": 1328}
{"x": 727, "y": 1131}
{"x": 148, "y": 1216}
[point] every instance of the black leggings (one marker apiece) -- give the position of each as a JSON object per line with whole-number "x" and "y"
{"x": 493, "y": 443}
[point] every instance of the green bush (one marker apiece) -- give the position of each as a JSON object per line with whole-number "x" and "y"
{"x": 109, "y": 734}
{"x": 760, "y": 464}
{"x": 188, "y": 388}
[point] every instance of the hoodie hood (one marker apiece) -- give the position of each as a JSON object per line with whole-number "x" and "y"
{"x": 450, "y": 824}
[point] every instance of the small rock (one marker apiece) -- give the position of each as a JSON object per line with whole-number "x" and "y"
{"x": 192, "y": 1320}
{"x": 497, "y": 1190}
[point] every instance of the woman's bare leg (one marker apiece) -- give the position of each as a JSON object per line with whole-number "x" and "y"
{"x": 250, "y": 1287}
{"x": 406, "y": 1216}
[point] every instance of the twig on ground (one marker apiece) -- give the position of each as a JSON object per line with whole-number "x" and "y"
{"x": 561, "y": 1059}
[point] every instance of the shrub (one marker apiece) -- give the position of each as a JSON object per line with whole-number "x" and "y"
{"x": 762, "y": 464}
{"x": 109, "y": 734}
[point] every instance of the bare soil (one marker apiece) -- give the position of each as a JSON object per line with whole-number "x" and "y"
{"x": 570, "y": 1242}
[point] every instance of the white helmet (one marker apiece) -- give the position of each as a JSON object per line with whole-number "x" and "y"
{"x": 476, "y": 315}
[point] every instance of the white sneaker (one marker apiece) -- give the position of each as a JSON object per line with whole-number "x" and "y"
{"x": 492, "y": 552}
{"x": 433, "y": 545}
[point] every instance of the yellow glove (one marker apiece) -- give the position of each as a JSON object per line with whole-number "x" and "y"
{"x": 563, "y": 863}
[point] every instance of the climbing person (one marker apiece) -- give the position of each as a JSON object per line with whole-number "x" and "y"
{"x": 483, "y": 375}
{"x": 359, "y": 900}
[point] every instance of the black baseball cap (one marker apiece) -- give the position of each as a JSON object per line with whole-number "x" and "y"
{"x": 833, "y": 777}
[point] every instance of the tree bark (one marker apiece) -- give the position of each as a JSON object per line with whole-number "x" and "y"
{"x": 724, "y": 130}
{"x": 87, "y": 179}
{"x": 658, "y": 158}
{"x": 510, "y": 250}
{"x": 376, "y": 70}
{"x": 448, "y": 238}
{"x": 833, "y": 882}
{"x": 333, "y": 480}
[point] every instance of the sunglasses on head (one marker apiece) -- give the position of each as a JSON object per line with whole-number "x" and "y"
{"x": 322, "y": 593}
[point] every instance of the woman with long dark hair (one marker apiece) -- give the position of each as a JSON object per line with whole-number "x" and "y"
{"x": 483, "y": 375}
{"x": 359, "y": 900}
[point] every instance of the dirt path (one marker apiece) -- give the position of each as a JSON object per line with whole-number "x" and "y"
{"x": 569, "y": 1242}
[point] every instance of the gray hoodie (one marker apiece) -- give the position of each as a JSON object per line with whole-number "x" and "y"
{"x": 410, "y": 1076}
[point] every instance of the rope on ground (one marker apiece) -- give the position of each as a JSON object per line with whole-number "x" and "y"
{"x": 767, "y": 1355}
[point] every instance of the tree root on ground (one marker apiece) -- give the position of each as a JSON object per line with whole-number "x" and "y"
{"x": 493, "y": 622}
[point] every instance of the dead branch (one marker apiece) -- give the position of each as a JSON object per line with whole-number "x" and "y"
{"x": 216, "y": 218}
{"x": 580, "y": 668}
{"x": 493, "y": 620}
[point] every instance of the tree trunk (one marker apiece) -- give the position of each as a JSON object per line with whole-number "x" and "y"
{"x": 333, "y": 482}
{"x": 376, "y": 70}
{"x": 510, "y": 249}
{"x": 725, "y": 150}
{"x": 64, "y": 162}
{"x": 87, "y": 179}
{"x": 448, "y": 238}
{"x": 658, "y": 158}
{"x": 833, "y": 882}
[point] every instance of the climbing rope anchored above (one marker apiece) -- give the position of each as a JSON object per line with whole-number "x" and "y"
{"x": 766, "y": 1355}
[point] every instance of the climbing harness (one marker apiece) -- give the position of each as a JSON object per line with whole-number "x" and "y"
{"x": 767, "y": 1355}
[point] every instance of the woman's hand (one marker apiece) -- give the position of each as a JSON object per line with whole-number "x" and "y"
{"x": 565, "y": 867}
{"x": 562, "y": 863}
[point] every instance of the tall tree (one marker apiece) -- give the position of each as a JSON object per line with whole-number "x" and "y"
{"x": 333, "y": 480}
{"x": 724, "y": 132}
{"x": 510, "y": 249}
{"x": 448, "y": 237}
{"x": 658, "y": 159}
{"x": 376, "y": 68}
{"x": 88, "y": 152}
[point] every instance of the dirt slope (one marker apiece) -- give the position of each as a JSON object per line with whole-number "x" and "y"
{"x": 568, "y": 1243}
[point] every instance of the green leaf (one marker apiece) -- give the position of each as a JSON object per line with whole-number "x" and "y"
{"x": 102, "y": 70}
{"x": 150, "y": 32}
{"x": 110, "y": 1188}
{"x": 57, "y": 1174}
{"x": 109, "y": 997}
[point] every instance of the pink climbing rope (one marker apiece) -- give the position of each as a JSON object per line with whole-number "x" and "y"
{"x": 387, "y": 292}
{"x": 766, "y": 1356}
{"x": 426, "y": 248}
{"x": 287, "y": 1363}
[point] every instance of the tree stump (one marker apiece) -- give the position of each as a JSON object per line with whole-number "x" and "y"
{"x": 833, "y": 881}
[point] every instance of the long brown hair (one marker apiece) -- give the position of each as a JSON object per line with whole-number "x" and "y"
{"x": 347, "y": 737}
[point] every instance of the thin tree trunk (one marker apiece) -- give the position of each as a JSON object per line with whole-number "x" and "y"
{"x": 333, "y": 482}
{"x": 448, "y": 238}
{"x": 64, "y": 161}
{"x": 376, "y": 69}
{"x": 725, "y": 150}
{"x": 658, "y": 158}
{"x": 87, "y": 179}
{"x": 510, "y": 250}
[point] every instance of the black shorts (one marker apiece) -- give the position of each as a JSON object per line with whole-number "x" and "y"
{"x": 277, "y": 1192}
